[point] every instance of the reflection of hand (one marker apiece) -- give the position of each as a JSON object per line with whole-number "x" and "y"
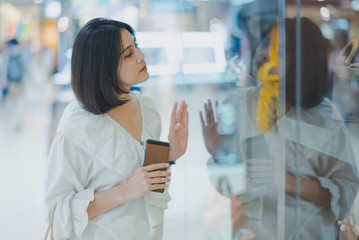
{"x": 261, "y": 171}
{"x": 239, "y": 220}
{"x": 178, "y": 133}
{"x": 348, "y": 230}
{"x": 211, "y": 138}
{"x": 146, "y": 179}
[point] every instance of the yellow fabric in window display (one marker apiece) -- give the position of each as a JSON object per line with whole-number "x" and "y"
{"x": 267, "y": 109}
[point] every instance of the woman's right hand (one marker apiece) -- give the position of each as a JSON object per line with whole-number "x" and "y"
{"x": 146, "y": 179}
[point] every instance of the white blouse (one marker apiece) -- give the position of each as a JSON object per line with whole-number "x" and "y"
{"x": 324, "y": 154}
{"x": 93, "y": 153}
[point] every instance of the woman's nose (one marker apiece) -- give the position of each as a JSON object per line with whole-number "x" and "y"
{"x": 139, "y": 55}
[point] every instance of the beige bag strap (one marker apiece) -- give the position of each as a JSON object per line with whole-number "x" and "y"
{"x": 353, "y": 208}
{"x": 51, "y": 227}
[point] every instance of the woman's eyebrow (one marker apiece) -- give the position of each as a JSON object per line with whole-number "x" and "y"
{"x": 124, "y": 50}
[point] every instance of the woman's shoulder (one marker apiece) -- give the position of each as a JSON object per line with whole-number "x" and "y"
{"x": 324, "y": 115}
{"x": 76, "y": 121}
{"x": 98, "y": 136}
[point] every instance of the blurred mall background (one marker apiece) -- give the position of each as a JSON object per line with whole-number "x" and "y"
{"x": 195, "y": 50}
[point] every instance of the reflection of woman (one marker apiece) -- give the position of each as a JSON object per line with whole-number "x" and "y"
{"x": 321, "y": 155}
{"x": 95, "y": 181}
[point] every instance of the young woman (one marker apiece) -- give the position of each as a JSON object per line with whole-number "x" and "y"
{"x": 96, "y": 184}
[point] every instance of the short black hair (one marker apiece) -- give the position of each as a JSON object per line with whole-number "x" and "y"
{"x": 96, "y": 55}
{"x": 314, "y": 63}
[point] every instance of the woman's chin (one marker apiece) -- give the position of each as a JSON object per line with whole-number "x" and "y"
{"x": 141, "y": 81}
{"x": 146, "y": 78}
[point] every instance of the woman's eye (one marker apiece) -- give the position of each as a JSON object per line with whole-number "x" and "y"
{"x": 129, "y": 55}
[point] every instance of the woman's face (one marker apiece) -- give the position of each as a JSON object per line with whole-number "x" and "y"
{"x": 132, "y": 68}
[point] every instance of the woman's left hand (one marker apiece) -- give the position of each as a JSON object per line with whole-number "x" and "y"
{"x": 178, "y": 133}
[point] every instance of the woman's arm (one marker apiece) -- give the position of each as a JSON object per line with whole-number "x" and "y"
{"x": 106, "y": 200}
{"x": 310, "y": 190}
{"x": 144, "y": 180}
{"x": 66, "y": 188}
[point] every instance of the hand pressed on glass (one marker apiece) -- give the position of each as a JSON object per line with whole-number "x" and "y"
{"x": 178, "y": 133}
{"x": 212, "y": 139}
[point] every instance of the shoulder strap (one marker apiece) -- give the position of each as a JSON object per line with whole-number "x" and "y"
{"x": 351, "y": 215}
{"x": 50, "y": 227}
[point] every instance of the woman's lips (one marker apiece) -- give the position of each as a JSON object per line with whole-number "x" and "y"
{"x": 144, "y": 68}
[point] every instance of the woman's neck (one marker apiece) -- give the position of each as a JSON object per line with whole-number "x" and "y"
{"x": 126, "y": 96}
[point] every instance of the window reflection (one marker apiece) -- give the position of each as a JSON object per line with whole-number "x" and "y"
{"x": 320, "y": 176}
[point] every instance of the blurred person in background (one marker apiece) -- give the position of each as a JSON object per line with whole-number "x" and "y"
{"x": 47, "y": 63}
{"x": 14, "y": 86}
{"x": 321, "y": 157}
{"x": 3, "y": 82}
{"x": 96, "y": 186}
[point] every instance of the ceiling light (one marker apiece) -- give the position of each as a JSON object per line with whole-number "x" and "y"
{"x": 325, "y": 12}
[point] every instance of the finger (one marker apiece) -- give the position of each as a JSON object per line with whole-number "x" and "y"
{"x": 184, "y": 112}
{"x": 156, "y": 174}
{"x": 156, "y": 166}
{"x": 186, "y": 119}
{"x": 158, "y": 186}
{"x": 217, "y": 103}
{"x": 206, "y": 111}
{"x": 202, "y": 120}
{"x": 174, "y": 110}
{"x": 159, "y": 180}
{"x": 180, "y": 111}
{"x": 211, "y": 111}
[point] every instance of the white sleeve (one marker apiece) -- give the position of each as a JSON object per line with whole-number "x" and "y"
{"x": 341, "y": 179}
{"x": 156, "y": 203}
{"x": 65, "y": 188}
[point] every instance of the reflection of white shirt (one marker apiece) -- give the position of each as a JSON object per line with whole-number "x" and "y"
{"x": 325, "y": 154}
{"x": 93, "y": 153}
